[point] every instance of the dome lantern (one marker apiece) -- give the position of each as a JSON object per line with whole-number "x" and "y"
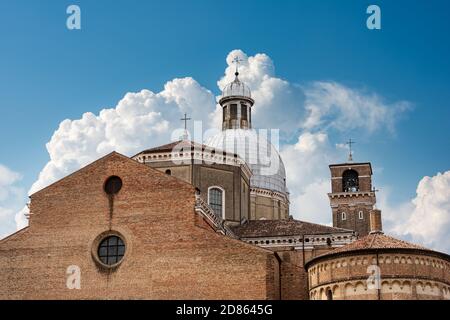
{"x": 236, "y": 102}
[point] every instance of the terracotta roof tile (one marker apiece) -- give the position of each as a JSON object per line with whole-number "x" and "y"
{"x": 274, "y": 228}
{"x": 377, "y": 241}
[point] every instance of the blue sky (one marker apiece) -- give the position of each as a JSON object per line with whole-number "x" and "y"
{"x": 48, "y": 73}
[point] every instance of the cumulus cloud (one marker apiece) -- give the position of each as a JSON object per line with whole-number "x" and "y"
{"x": 11, "y": 196}
{"x": 333, "y": 105}
{"x": 307, "y": 174}
{"x": 8, "y": 178}
{"x": 309, "y": 112}
{"x": 425, "y": 219}
{"x": 279, "y": 103}
{"x": 140, "y": 119}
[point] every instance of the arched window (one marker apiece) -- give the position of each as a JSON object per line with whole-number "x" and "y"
{"x": 344, "y": 216}
{"x": 216, "y": 200}
{"x": 350, "y": 181}
{"x": 329, "y": 294}
{"x": 169, "y": 172}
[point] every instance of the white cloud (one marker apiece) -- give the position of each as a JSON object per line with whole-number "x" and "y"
{"x": 426, "y": 219}
{"x": 11, "y": 198}
{"x": 144, "y": 119}
{"x": 333, "y": 105}
{"x": 278, "y": 103}
{"x": 312, "y": 203}
{"x": 139, "y": 120}
{"x": 7, "y": 179}
{"x": 309, "y": 142}
{"x": 308, "y": 176}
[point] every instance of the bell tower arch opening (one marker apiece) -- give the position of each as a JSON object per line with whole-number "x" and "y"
{"x": 350, "y": 181}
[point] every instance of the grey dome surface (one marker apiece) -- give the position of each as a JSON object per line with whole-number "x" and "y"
{"x": 236, "y": 88}
{"x": 261, "y": 156}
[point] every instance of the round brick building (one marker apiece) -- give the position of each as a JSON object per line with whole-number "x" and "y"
{"x": 379, "y": 267}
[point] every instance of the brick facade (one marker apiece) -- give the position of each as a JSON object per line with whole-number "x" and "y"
{"x": 169, "y": 253}
{"x": 351, "y": 210}
{"x": 406, "y": 271}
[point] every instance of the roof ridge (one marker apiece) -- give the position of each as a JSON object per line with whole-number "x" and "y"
{"x": 373, "y": 240}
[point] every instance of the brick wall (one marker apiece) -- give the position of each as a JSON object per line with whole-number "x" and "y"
{"x": 167, "y": 255}
{"x": 404, "y": 276}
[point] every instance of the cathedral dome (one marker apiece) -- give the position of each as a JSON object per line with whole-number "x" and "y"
{"x": 260, "y": 155}
{"x": 236, "y": 89}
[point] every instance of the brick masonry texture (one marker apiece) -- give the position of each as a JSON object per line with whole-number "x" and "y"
{"x": 170, "y": 254}
{"x": 407, "y": 271}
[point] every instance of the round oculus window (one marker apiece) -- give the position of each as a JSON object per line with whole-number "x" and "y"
{"x": 113, "y": 185}
{"x": 111, "y": 250}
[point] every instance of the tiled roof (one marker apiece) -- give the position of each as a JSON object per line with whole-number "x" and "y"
{"x": 275, "y": 228}
{"x": 377, "y": 241}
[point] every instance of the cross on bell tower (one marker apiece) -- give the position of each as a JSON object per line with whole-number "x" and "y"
{"x": 350, "y": 154}
{"x": 185, "y": 119}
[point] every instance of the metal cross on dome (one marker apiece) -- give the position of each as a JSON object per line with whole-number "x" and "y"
{"x": 237, "y": 60}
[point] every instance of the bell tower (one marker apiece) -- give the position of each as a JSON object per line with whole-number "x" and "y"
{"x": 352, "y": 198}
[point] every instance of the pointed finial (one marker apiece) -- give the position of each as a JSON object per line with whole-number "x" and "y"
{"x": 237, "y": 60}
{"x": 350, "y": 154}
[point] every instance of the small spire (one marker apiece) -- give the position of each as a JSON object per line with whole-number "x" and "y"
{"x": 350, "y": 154}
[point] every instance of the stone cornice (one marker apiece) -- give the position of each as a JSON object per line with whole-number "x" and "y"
{"x": 310, "y": 241}
{"x": 197, "y": 157}
{"x": 269, "y": 194}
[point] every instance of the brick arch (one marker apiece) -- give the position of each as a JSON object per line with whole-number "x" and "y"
{"x": 336, "y": 291}
{"x": 348, "y": 289}
{"x": 322, "y": 294}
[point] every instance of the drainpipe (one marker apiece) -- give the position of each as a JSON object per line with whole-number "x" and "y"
{"x": 303, "y": 250}
{"x": 279, "y": 274}
{"x": 304, "y": 266}
{"x": 379, "y": 284}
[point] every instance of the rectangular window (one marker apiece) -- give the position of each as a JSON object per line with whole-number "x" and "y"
{"x": 344, "y": 216}
{"x": 361, "y": 215}
{"x": 243, "y": 112}
{"x": 233, "y": 111}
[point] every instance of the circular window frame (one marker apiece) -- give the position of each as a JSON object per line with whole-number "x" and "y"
{"x": 105, "y": 185}
{"x": 95, "y": 248}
